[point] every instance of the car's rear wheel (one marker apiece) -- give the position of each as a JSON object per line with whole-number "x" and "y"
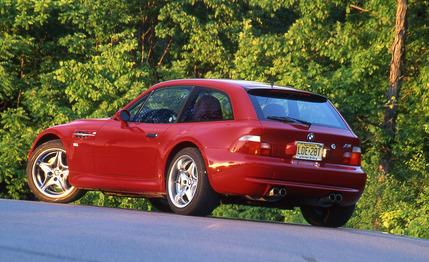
{"x": 47, "y": 174}
{"x": 188, "y": 188}
{"x": 334, "y": 216}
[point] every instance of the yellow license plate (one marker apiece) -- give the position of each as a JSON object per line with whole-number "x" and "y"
{"x": 309, "y": 151}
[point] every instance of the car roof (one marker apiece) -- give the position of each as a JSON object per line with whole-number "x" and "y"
{"x": 232, "y": 85}
{"x": 225, "y": 83}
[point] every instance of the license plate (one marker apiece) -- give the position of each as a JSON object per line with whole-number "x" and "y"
{"x": 309, "y": 151}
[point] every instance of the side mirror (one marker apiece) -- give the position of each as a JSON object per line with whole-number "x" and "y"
{"x": 124, "y": 115}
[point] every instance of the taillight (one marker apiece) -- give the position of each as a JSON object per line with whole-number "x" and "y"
{"x": 353, "y": 158}
{"x": 290, "y": 150}
{"x": 265, "y": 149}
{"x": 251, "y": 144}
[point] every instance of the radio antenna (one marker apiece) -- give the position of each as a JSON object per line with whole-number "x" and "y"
{"x": 272, "y": 81}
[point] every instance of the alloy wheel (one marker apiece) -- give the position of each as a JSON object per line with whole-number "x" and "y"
{"x": 50, "y": 173}
{"x": 183, "y": 181}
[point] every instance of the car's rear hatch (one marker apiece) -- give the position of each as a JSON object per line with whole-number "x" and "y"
{"x": 335, "y": 142}
{"x": 303, "y": 126}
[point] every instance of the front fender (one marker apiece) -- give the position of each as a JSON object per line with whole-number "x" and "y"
{"x": 48, "y": 134}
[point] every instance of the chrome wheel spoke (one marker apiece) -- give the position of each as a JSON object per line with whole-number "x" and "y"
{"x": 177, "y": 187}
{"x": 60, "y": 163}
{"x": 193, "y": 189}
{"x": 45, "y": 168}
{"x": 180, "y": 165}
{"x": 179, "y": 197}
{"x": 49, "y": 181}
{"x": 65, "y": 174}
{"x": 190, "y": 169}
{"x": 61, "y": 184}
{"x": 54, "y": 160}
{"x": 189, "y": 194}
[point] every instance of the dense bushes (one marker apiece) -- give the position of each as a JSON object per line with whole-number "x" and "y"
{"x": 61, "y": 60}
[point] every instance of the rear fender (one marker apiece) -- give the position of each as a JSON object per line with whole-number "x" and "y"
{"x": 170, "y": 152}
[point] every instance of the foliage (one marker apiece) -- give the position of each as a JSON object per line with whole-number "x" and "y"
{"x": 99, "y": 199}
{"x": 61, "y": 60}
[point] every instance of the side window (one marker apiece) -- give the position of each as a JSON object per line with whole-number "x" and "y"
{"x": 135, "y": 108}
{"x": 209, "y": 105}
{"x": 163, "y": 105}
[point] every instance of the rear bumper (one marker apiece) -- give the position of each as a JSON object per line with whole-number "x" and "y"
{"x": 239, "y": 174}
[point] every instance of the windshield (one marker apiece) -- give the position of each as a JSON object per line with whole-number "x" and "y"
{"x": 312, "y": 109}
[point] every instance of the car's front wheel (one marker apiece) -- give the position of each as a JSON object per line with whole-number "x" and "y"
{"x": 47, "y": 174}
{"x": 334, "y": 216}
{"x": 188, "y": 188}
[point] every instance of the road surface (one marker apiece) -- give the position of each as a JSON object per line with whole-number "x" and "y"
{"x": 35, "y": 231}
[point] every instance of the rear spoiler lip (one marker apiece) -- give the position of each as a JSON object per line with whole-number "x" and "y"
{"x": 305, "y": 94}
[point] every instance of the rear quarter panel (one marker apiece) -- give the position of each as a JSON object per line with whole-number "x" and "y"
{"x": 209, "y": 137}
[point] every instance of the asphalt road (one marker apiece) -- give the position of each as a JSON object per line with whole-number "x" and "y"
{"x": 35, "y": 231}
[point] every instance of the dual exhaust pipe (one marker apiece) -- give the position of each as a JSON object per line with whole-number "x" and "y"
{"x": 334, "y": 198}
{"x": 277, "y": 192}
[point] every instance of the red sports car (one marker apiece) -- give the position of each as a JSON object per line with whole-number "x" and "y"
{"x": 188, "y": 145}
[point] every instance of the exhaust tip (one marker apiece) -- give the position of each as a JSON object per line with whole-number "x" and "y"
{"x": 273, "y": 192}
{"x": 277, "y": 191}
{"x": 332, "y": 197}
{"x": 338, "y": 198}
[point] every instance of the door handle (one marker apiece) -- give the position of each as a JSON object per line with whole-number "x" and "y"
{"x": 84, "y": 133}
{"x": 151, "y": 135}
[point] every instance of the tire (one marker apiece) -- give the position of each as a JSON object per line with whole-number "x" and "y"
{"x": 334, "y": 216}
{"x": 47, "y": 174}
{"x": 187, "y": 171}
{"x": 160, "y": 204}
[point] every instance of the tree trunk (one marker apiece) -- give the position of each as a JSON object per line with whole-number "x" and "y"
{"x": 395, "y": 79}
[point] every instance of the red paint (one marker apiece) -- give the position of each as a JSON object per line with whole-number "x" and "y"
{"x": 122, "y": 158}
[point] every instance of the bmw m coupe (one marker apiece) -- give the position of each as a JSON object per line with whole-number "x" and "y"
{"x": 188, "y": 145}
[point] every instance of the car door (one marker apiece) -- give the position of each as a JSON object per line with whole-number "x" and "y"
{"x": 80, "y": 154}
{"x": 127, "y": 154}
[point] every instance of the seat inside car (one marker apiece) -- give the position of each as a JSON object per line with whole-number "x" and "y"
{"x": 207, "y": 108}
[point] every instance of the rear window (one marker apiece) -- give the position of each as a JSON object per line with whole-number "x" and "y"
{"x": 314, "y": 109}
